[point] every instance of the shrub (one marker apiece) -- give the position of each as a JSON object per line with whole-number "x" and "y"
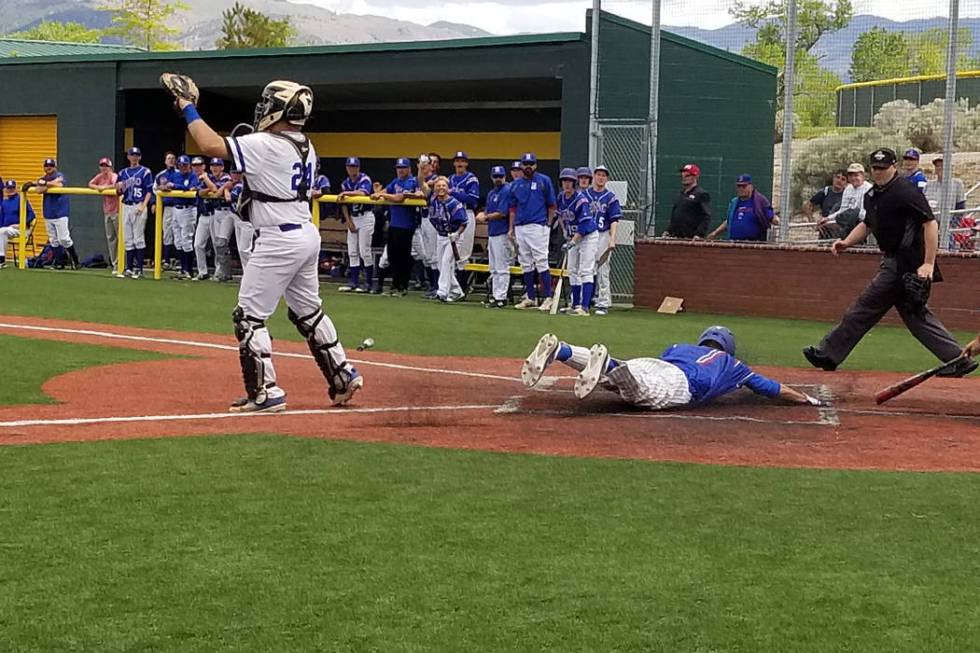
{"x": 779, "y": 125}
{"x": 893, "y": 117}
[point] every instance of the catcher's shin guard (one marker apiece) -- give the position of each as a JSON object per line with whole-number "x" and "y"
{"x": 321, "y": 336}
{"x": 255, "y": 355}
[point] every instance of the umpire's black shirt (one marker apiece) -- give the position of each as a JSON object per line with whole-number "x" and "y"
{"x": 691, "y": 214}
{"x": 895, "y": 213}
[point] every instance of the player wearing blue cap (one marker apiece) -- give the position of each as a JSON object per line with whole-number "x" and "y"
{"x": 465, "y": 187}
{"x": 581, "y": 241}
{"x": 913, "y": 172}
{"x": 222, "y": 221}
{"x": 606, "y": 210}
{"x": 683, "y": 375}
{"x": 162, "y": 179}
{"x": 497, "y": 217}
{"x": 448, "y": 215}
{"x": 532, "y": 211}
{"x": 584, "y": 175}
{"x": 135, "y": 188}
{"x": 185, "y": 213}
{"x": 360, "y": 226}
{"x": 56, "y": 210}
{"x": 401, "y": 227}
{"x": 206, "y": 193}
{"x": 427, "y": 244}
{"x": 244, "y": 233}
{"x": 10, "y": 217}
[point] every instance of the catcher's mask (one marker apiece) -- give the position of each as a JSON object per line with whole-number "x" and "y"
{"x": 722, "y": 336}
{"x": 283, "y": 100}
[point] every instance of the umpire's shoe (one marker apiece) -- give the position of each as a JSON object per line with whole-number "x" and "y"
{"x": 819, "y": 359}
{"x": 961, "y": 369}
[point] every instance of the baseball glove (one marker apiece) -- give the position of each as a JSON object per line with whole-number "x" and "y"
{"x": 916, "y": 290}
{"x": 181, "y": 87}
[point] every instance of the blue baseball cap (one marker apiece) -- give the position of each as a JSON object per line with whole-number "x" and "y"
{"x": 529, "y": 157}
{"x": 10, "y": 183}
{"x": 584, "y": 171}
{"x": 743, "y": 179}
{"x": 498, "y": 171}
{"x": 461, "y": 155}
{"x": 217, "y": 162}
{"x": 353, "y": 161}
{"x": 134, "y": 151}
{"x": 911, "y": 153}
{"x": 183, "y": 160}
{"x": 50, "y": 162}
{"x": 569, "y": 174}
{"x": 402, "y": 163}
{"x": 516, "y": 165}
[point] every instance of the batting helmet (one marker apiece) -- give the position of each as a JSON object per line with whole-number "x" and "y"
{"x": 282, "y": 100}
{"x": 719, "y": 335}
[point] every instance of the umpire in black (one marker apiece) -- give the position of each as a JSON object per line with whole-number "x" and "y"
{"x": 908, "y": 236}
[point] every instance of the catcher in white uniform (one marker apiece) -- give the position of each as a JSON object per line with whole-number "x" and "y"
{"x": 278, "y": 163}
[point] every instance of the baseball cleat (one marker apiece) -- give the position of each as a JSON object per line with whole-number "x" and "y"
{"x": 601, "y": 310}
{"x": 360, "y": 290}
{"x": 202, "y": 276}
{"x": 137, "y": 274}
{"x": 525, "y": 303}
{"x": 546, "y": 304}
{"x": 345, "y": 289}
{"x": 539, "y": 359}
{"x": 589, "y": 378}
{"x": 270, "y": 405}
{"x": 579, "y": 312}
{"x": 355, "y": 384}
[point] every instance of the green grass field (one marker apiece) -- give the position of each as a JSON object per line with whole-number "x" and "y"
{"x": 266, "y": 543}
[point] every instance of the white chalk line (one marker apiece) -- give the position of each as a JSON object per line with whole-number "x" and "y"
{"x": 670, "y": 415}
{"x": 82, "y": 421}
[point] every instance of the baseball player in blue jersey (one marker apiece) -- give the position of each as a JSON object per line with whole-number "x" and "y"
{"x": 360, "y": 226}
{"x": 465, "y": 187}
{"x": 244, "y": 233}
{"x": 532, "y": 211}
{"x": 205, "y": 206}
{"x": 222, "y": 221}
{"x": 581, "y": 241}
{"x": 606, "y": 210}
{"x": 913, "y": 172}
{"x": 185, "y": 214}
{"x": 134, "y": 186}
{"x": 448, "y": 215}
{"x": 401, "y": 227}
{"x": 56, "y": 210}
{"x": 10, "y": 217}
{"x": 497, "y": 216}
{"x": 278, "y": 162}
{"x": 683, "y": 375}
{"x": 162, "y": 179}
{"x": 584, "y": 175}
{"x": 428, "y": 239}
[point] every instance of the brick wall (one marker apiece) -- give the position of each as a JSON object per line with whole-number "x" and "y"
{"x": 786, "y": 281}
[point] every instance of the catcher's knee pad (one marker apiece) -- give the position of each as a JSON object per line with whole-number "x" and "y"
{"x": 254, "y": 354}
{"x": 322, "y": 340}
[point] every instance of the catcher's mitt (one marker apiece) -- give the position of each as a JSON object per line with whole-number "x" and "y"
{"x": 181, "y": 86}
{"x": 916, "y": 290}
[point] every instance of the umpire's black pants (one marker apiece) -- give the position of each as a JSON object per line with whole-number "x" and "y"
{"x": 400, "y": 256}
{"x": 884, "y": 291}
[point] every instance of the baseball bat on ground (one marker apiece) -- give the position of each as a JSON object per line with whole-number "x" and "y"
{"x": 561, "y": 278}
{"x": 896, "y": 389}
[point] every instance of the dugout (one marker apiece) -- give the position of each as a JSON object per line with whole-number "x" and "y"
{"x": 494, "y": 97}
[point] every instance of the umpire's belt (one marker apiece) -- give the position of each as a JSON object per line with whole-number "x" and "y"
{"x": 283, "y": 227}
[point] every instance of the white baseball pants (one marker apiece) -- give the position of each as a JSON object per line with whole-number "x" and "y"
{"x": 603, "y": 289}
{"x": 430, "y": 245}
{"x": 448, "y": 285}
{"x": 134, "y": 227}
{"x": 501, "y": 256}
{"x": 184, "y": 220}
{"x": 168, "y": 225}
{"x": 532, "y": 246}
{"x": 465, "y": 242}
{"x": 359, "y": 242}
{"x": 581, "y": 260}
{"x": 201, "y": 237}
{"x": 643, "y": 382}
{"x": 222, "y": 226}
{"x": 243, "y": 239}
{"x": 58, "y": 233}
{"x": 6, "y": 233}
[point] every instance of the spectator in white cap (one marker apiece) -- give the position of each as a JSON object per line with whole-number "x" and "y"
{"x": 851, "y": 210}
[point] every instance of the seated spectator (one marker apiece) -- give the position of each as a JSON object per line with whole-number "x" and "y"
{"x": 750, "y": 213}
{"x": 934, "y": 195}
{"x": 692, "y": 209}
{"x": 912, "y": 170}
{"x": 10, "y": 217}
{"x": 827, "y": 200}
{"x": 851, "y": 210}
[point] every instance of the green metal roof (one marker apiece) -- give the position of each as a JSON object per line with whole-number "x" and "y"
{"x": 23, "y": 48}
{"x": 347, "y": 48}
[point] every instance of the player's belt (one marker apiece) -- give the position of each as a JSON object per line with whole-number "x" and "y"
{"x": 130, "y": 203}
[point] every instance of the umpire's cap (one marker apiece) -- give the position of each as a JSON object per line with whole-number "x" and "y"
{"x": 720, "y": 336}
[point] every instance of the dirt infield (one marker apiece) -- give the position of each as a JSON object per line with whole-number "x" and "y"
{"x": 479, "y": 403}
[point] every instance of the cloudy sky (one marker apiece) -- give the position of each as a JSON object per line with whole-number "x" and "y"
{"x": 514, "y": 16}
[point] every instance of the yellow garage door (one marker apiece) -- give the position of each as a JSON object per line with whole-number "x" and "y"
{"x": 25, "y": 141}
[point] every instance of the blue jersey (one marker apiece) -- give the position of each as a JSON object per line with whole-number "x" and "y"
{"x": 604, "y": 207}
{"x": 918, "y": 178}
{"x": 162, "y": 178}
{"x": 466, "y": 189}
{"x": 10, "y": 212}
{"x": 182, "y": 181}
{"x": 402, "y": 217}
{"x": 446, "y": 216}
{"x": 531, "y": 198}
{"x": 55, "y": 206}
{"x": 498, "y": 201}
{"x": 137, "y": 184}
{"x": 361, "y": 182}
{"x": 322, "y": 183}
{"x": 712, "y": 373}
{"x": 743, "y": 224}
{"x": 575, "y": 215}
{"x": 235, "y": 193}
{"x": 219, "y": 181}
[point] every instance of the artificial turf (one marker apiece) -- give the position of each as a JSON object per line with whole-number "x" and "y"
{"x": 265, "y": 543}
{"x": 410, "y": 325}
